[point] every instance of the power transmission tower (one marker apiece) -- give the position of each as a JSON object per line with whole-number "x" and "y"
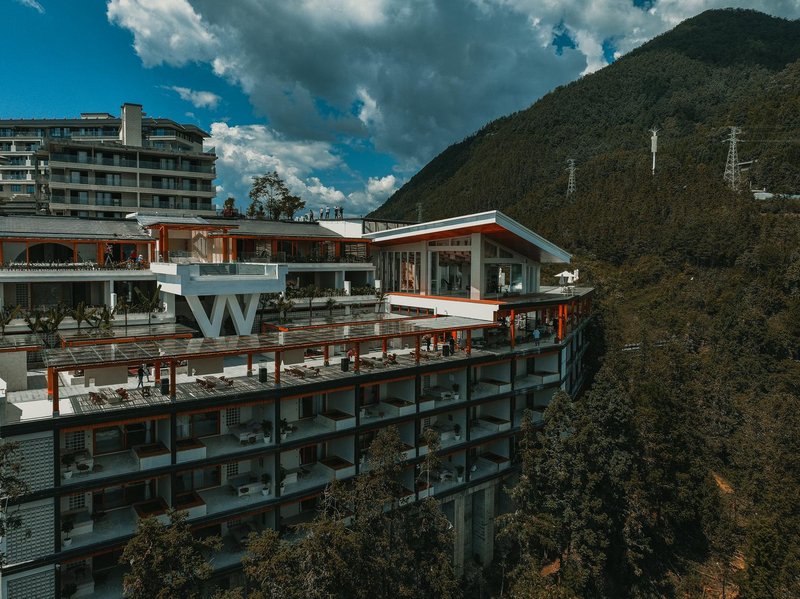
{"x": 571, "y": 182}
{"x": 419, "y": 212}
{"x": 654, "y": 146}
{"x": 733, "y": 174}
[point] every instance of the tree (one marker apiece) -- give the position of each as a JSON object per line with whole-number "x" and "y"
{"x": 148, "y": 303}
{"x": 12, "y": 487}
{"x": 290, "y": 205}
{"x": 123, "y": 306}
{"x": 82, "y": 314}
{"x": 8, "y": 314}
{"x": 283, "y": 306}
{"x": 362, "y": 544}
{"x": 267, "y": 196}
{"x": 330, "y": 304}
{"x": 311, "y": 292}
{"x": 166, "y": 560}
{"x": 229, "y": 206}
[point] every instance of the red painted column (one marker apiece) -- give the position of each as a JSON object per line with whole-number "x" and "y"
{"x": 560, "y": 322}
{"x": 52, "y": 388}
{"x": 385, "y": 347}
{"x": 357, "y": 366}
{"x": 157, "y": 367}
{"x": 513, "y": 329}
{"x": 249, "y": 364}
{"x": 326, "y": 355}
{"x": 418, "y": 348}
{"x": 277, "y": 368}
{"x": 468, "y": 347}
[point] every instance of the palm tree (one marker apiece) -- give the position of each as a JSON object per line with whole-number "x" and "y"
{"x": 124, "y": 307}
{"x": 282, "y": 305}
{"x": 380, "y": 295}
{"x": 47, "y": 322}
{"x": 330, "y": 304}
{"x": 311, "y": 292}
{"x": 8, "y": 314}
{"x": 148, "y": 303}
{"x": 82, "y": 314}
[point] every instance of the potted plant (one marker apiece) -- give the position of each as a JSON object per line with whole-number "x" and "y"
{"x": 266, "y": 479}
{"x": 285, "y": 428}
{"x": 69, "y": 589}
{"x": 457, "y": 431}
{"x": 66, "y": 527}
{"x": 266, "y": 426}
{"x": 460, "y": 473}
{"x": 67, "y": 460}
{"x": 455, "y": 391}
{"x": 283, "y": 479}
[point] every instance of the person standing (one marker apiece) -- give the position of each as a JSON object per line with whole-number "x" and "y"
{"x": 109, "y": 254}
{"x": 536, "y": 335}
{"x": 147, "y": 371}
{"x": 140, "y": 374}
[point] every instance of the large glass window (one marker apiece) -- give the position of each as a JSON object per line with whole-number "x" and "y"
{"x": 450, "y": 272}
{"x": 195, "y": 480}
{"x": 503, "y": 279}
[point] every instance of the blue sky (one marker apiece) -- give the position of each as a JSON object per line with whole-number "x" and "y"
{"x": 347, "y": 99}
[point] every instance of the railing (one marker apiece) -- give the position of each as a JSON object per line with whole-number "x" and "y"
{"x": 282, "y": 257}
{"x": 176, "y": 167}
{"x": 123, "y": 162}
{"x": 74, "y": 266}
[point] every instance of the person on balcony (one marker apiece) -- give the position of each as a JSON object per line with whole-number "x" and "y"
{"x": 140, "y": 375}
{"x": 536, "y": 336}
{"x": 109, "y": 254}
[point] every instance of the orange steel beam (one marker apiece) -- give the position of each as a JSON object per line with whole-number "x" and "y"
{"x": 52, "y": 388}
{"x": 277, "y": 368}
{"x": 468, "y": 347}
{"x": 173, "y": 379}
{"x": 358, "y": 357}
{"x": 74, "y": 253}
{"x": 513, "y": 329}
{"x": 561, "y": 322}
{"x": 326, "y": 355}
{"x": 157, "y": 368}
{"x": 224, "y": 249}
{"x": 417, "y": 339}
{"x": 234, "y": 252}
{"x": 249, "y": 364}
{"x": 385, "y": 347}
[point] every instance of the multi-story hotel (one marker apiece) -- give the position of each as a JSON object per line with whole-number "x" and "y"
{"x": 99, "y": 165}
{"x": 242, "y": 432}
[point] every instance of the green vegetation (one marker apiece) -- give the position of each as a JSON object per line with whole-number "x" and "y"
{"x": 166, "y": 560}
{"x": 269, "y": 196}
{"x": 676, "y": 473}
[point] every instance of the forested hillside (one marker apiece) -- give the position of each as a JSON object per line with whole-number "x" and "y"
{"x": 677, "y": 474}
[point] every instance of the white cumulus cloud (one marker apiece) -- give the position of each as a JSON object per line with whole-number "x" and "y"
{"x": 199, "y": 99}
{"x": 33, "y": 4}
{"x": 164, "y": 31}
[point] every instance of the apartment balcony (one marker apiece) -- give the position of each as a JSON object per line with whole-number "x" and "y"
{"x": 489, "y": 463}
{"x": 536, "y": 379}
{"x": 241, "y": 493}
{"x": 438, "y": 397}
{"x": 316, "y": 475}
{"x": 488, "y": 387}
{"x": 188, "y": 450}
{"x": 120, "y": 522}
{"x": 83, "y": 580}
{"x": 391, "y": 407}
{"x": 191, "y": 504}
{"x": 137, "y": 459}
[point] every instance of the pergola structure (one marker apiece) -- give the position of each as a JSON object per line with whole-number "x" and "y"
{"x": 563, "y": 310}
{"x": 153, "y": 332}
{"x": 170, "y": 352}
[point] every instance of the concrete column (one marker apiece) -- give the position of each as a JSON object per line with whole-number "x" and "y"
{"x": 338, "y": 281}
{"x": 460, "y": 532}
{"x": 2, "y": 296}
{"x": 107, "y": 287}
{"x": 476, "y": 267}
{"x": 169, "y": 300}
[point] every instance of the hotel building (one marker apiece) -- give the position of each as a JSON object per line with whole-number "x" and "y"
{"x": 103, "y": 166}
{"x": 450, "y": 346}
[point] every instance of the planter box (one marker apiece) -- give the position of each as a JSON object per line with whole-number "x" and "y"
{"x": 494, "y": 424}
{"x": 336, "y": 420}
{"x": 151, "y": 456}
{"x": 396, "y": 407}
{"x": 190, "y": 449}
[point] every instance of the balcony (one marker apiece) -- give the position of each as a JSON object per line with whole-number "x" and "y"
{"x": 437, "y": 397}
{"x": 153, "y": 455}
{"x": 191, "y": 504}
{"x": 535, "y": 379}
{"x": 488, "y": 387}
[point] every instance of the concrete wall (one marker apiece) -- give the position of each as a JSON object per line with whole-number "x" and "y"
{"x": 112, "y": 375}
{"x": 14, "y": 370}
{"x": 205, "y": 366}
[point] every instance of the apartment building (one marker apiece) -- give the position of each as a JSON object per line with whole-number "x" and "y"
{"x": 103, "y": 166}
{"x": 242, "y": 432}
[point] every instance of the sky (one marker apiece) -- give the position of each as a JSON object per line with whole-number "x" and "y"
{"x": 345, "y": 99}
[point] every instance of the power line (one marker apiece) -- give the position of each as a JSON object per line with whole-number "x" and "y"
{"x": 733, "y": 174}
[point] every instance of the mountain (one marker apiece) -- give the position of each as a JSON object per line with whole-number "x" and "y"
{"x": 721, "y": 68}
{"x": 705, "y": 281}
